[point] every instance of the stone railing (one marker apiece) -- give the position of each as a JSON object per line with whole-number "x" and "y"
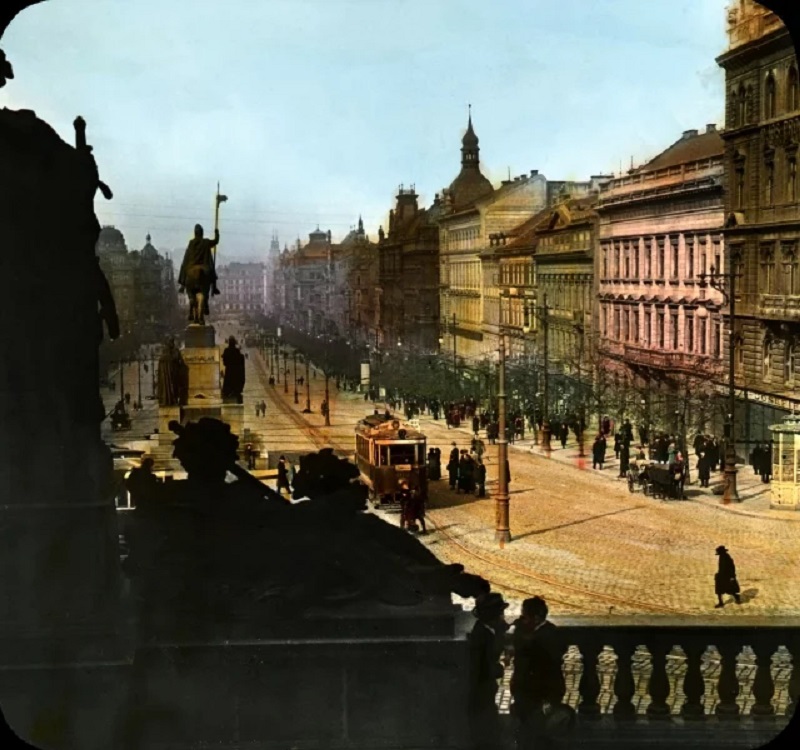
{"x": 728, "y": 671}
{"x": 674, "y": 361}
{"x": 779, "y": 306}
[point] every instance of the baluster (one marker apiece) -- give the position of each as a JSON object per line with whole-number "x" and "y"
{"x": 658, "y": 686}
{"x": 794, "y": 681}
{"x": 693, "y": 684}
{"x": 589, "y": 686}
{"x": 728, "y": 683}
{"x": 763, "y": 686}
{"x": 624, "y": 684}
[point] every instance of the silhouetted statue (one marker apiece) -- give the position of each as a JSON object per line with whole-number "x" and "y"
{"x": 214, "y": 548}
{"x": 233, "y": 380}
{"x": 173, "y": 376}
{"x": 198, "y": 275}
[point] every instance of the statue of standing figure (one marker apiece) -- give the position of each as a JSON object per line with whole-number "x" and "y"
{"x": 173, "y": 376}
{"x": 233, "y": 379}
{"x": 198, "y": 275}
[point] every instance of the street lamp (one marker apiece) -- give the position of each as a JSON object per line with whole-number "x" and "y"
{"x": 295, "y": 376}
{"x": 502, "y": 525}
{"x": 725, "y": 284}
{"x": 530, "y": 310}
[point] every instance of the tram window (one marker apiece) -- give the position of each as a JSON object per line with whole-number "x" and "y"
{"x": 384, "y": 453}
{"x": 420, "y": 454}
{"x": 403, "y": 454}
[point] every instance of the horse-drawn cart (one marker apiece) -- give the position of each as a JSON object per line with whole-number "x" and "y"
{"x": 657, "y": 480}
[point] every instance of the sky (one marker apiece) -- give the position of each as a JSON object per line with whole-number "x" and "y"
{"x": 313, "y": 112}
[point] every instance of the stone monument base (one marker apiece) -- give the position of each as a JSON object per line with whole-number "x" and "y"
{"x": 233, "y": 415}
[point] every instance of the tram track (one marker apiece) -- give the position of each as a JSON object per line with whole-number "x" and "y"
{"x": 591, "y": 597}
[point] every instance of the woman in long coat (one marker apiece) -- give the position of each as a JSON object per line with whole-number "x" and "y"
{"x": 599, "y": 451}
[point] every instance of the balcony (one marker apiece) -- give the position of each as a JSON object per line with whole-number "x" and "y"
{"x": 700, "y": 364}
{"x": 779, "y": 307}
{"x": 689, "y": 682}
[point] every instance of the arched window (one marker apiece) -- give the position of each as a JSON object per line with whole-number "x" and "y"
{"x": 770, "y": 108}
{"x": 741, "y": 106}
{"x": 766, "y": 361}
{"x": 769, "y": 183}
{"x": 792, "y": 90}
{"x": 734, "y": 109}
{"x": 791, "y": 177}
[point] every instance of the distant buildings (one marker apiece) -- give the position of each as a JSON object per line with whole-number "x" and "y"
{"x": 143, "y": 285}
{"x": 243, "y": 290}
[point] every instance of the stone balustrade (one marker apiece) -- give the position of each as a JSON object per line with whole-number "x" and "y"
{"x": 733, "y": 674}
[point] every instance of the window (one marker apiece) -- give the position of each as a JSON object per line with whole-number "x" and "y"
{"x": 792, "y": 90}
{"x": 788, "y": 362}
{"x": 673, "y": 254}
{"x": 766, "y": 361}
{"x": 661, "y": 253}
{"x": 769, "y": 182}
{"x": 767, "y": 282}
{"x": 636, "y": 260}
{"x": 660, "y": 332}
{"x": 627, "y": 254}
{"x": 648, "y": 322}
{"x": 616, "y": 261}
{"x": 616, "y": 323}
{"x": 689, "y": 332}
{"x": 673, "y": 325}
{"x": 605, "y": 261}
{"x": 702, "y": 328}
{"x": 636, "y": 326}
{"x": 734, "y": 108}
{"x": 626, "y": 325}
{"x": 715, "y": 338}
{"x": 741, "y": 106}
{"x": 690, "y": 258}
{"x": 790, "y": 269}
{"x": 769, "y": 97}
{"x": 791, "y": 178}
{"x": 740, "y": 187}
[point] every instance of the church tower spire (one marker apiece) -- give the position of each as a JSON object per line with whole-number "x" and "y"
{"x": 469, "y": 146}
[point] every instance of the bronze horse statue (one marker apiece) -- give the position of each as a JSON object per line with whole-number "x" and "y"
{"x": 198, "y": 275}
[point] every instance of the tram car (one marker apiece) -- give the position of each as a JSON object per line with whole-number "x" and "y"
{"x": 388, "y": 456}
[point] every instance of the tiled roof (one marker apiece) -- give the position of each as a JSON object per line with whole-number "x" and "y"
{"x": 686, "y": 149}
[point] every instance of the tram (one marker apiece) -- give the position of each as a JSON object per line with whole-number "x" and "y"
{"x": 388, "y": 456}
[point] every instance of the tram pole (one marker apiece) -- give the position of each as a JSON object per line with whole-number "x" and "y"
{"x": 295, "y": 376}
{"x": 502, "y": 530}
{"x": 307, "y": 410}
{"x": 285, "y": 372}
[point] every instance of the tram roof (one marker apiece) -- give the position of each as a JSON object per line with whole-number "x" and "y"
{"x": 378, "y": 425}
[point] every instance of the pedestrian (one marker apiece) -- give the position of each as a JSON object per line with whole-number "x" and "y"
{"x": 283, "y": 476}
{"x": 486, "y": 646}
{"x": 416, "y": 511}
{"x": 704, "y": 469}
{"x": 537, "y": 684}
{"x": 476, "y": 425}
{"x": 452, "y": 467}
{"x": 563, "y": 434}
{"x": 765, "y": 464}
{"x": 624, "y": 457}
{"x": 617, "y": 444}
{"x": 480, "y": 475}
{"x": 599, "y": 451}
{"x": 725, "y": 578}
{"x": 263, "y": 408}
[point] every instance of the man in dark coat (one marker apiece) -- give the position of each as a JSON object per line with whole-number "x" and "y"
{"x": 704, "y": 469}
{"x": 476, "y": 425}
{"x": 486, "y": 646}
{"x": 538, "y": 680}
{"x": 283, "y": 476}
{"x": 624, "y": 457}
{"x": 599, "y": 451}
{"x": 725, "y": 578}
{"x": 563, "y": 434}
{"x": 452, "y": 467}
{"x": 233, "y": 379}
{"x": 480, "y": 478}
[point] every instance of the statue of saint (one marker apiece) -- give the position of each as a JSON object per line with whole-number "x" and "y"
{"x": 198, "y": 276}
{"x": 173, "y": 376}
{"x": 233, "y": 379}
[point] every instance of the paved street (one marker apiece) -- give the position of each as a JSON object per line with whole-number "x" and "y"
{"x": 580, "y": 538}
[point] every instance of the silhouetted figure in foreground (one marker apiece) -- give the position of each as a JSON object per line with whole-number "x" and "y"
{"x": 233, "y": 380}
{"x": 725, "y": 578}
{"x": 9, "y": 738}
{"x": 486, "y": 646}
{"x": 537, "y": 685}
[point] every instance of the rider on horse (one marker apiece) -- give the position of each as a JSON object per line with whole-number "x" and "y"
{"x": 198, "y": 274}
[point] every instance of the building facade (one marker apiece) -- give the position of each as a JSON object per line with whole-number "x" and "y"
{"x": 243, "y": 290}
{"x": 762, "y": 207}
{"x": 408, "y": 275}
{"x": 660, "y": 334}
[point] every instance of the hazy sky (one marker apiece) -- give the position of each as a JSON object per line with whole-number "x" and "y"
{"x": 313, "y": 111}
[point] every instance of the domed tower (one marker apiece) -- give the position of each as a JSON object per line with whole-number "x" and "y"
{"x": 470, "y": 185}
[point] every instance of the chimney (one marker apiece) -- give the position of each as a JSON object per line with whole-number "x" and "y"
{"x": 534, "y": 172}
{"x": 711, "y": 128}
{"x": 689, "y": 134}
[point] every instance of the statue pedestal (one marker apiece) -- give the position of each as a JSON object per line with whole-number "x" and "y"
{"x": 201, "y": 356}
{"x": 233, "y": 414}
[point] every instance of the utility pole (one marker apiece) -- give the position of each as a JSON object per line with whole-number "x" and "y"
{"x": 307, "y": 410}
{"x": 545, "y": 391}
{"x": 153, "y": 370}
{"x": 285, "y": 372}
{"x": 295, "y": 376}
{"x": 455, "y": 362}
{"x": 502, "y": 530}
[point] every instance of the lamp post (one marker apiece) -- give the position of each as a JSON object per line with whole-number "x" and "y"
{"x": 295, "y": 377}
{"x": 285, "y": 372}
{"x": 725, "y": 284}
{"x": 307, "y": 410}
{"x": 542, "y": 314}
{"x": 502, "y": 530}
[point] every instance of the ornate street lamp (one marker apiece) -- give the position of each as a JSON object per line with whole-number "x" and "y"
{"x": 725, "y": 284}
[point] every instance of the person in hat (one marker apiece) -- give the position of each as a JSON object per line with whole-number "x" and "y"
{"x": 452, "y": 467}
{"x": 283, "y": 476}
{"x": 538, "y": 680}
{"x": 486, "y": 646}
{"x": 725, "y": 578}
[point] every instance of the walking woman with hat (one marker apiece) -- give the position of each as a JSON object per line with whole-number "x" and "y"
{"x": 725, "y": 578}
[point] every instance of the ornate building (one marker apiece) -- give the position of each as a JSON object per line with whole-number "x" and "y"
{"x": 762, "y": 205}
{"x": 409, "y": 275}
{"x": 471, "y": 211}
{"x": 272, "y": 272}
{"x": 660, "y": 334}
{"x": 243, "y": 290}
{"x": 357, "y": 309}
